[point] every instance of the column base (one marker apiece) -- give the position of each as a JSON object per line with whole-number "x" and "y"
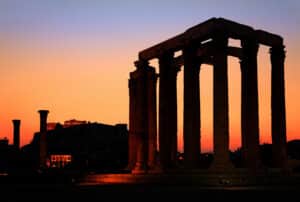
{"x": 156, "y": 169}
{"x": 222, "y": 167}
{"x": 139, "y": 168}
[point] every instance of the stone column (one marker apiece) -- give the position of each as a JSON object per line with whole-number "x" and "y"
{"x": 145, "y": 121}
{"x": 16, "y": 124}
{"x": 152, "y": 120}
{"x": 249, "y": 117}
{"x": 278, "y": 107}
{"x": 132, "y": 147}
{"x": 43, "y": 139}
{"x": 167, "y": 111}
{"x": 191, "y": 116}
{"x": 220, "y": 105}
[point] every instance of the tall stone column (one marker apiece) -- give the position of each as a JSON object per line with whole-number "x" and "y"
{"x": 167, "y": 111}
{"x": 278, "y": 107}
{"x": 250, "y": 117}
{"x": 43, "y": 140}
{"x": 191, "y": 111}
{"x": 145, "y": 121}
{"x": 16, "y": 124}
{"x": 152, "y": 120}
{"x": 220, "y": 105}
{"x": 132, "y": 147}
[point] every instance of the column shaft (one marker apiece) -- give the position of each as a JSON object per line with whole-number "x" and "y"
{"x": 16, "y": 125}
{"x": 278, "y": 107}
{"x": 43, "y": 138}
{"x": 144, "y": 116}
{"x": 141, "y": 122}
{"x": 132, "y": 147}
{"x": 167, "y": 111}
{"x": 220, "y": 105}
{"x": 191, "y": 125}
{"x": 250, "y": 117}
{"x": 152, "y": 120}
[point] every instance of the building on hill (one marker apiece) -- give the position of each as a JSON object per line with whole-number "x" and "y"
{"x": 84, "y": 145}
{"x": 10, "y": 158}
{"x": 67, "y": 123}
{"x": 73, "y": 122}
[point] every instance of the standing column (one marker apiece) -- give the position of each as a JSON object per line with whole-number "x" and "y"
{"x": 249, "y": 117}
{"x": 16, "y": 124}
{"x": 141, "y": 120}
{"x": 152, "y": 120}
{"x": 191, "y": 124}
{"x": 132, "y": 147}
{"x": 278, "y": 107}
{"x": 145, "y": 121}
{"x": 220, "y": 104}
{"x": 167, "y": 111}
{"x": 43, "y": 139}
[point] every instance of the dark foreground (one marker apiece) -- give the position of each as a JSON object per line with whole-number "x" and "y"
{"x": 143, "y": 192}
{"x": 65, "y": 188}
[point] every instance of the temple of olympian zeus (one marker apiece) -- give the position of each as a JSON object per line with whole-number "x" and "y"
{"x": 206, "y": 43}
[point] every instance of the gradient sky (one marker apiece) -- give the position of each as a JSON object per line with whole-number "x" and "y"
{"x": 73, "y": 57}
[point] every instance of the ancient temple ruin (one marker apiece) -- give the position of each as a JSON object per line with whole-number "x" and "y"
{"x": 206, "y": 43}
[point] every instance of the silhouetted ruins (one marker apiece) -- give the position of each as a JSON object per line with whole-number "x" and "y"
{"x": 206, "y": 43}
{"x": 43, "y": 142}
{"x": 79, "y": 145}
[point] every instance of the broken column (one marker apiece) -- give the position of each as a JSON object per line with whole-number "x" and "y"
{"x": 43, "y": 138}
{"x": 16, "y": 124}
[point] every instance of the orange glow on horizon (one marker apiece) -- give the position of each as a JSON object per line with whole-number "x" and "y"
{"x": 90, "y": 82}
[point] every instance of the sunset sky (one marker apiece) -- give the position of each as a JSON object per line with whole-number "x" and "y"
{"x": 73, "y": 57}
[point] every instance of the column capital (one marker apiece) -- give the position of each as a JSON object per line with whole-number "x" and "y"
{"x": 249, "y": 46}
{"x": 139, "y": 64}
{"x": 168, "y": 64}
{"x": 220, "y": 40}
{"x": 142, "y": 69}
{"x": 16, "y": 121}
{"x": 190, "y": 57}
{"x": 43, "y": 112}
{"x": 277, "y": 52}
{"x": 166, "y": 55}
{"x": 176, "y": 66}
{"x": 249, "y": 53}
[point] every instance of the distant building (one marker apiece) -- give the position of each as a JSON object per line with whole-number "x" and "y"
{"x": 3, "y": 142}
{"x": 85, "y": 145}
{"x": 73, "y": 122}
{"x": 51, "y": 125}
{"x": 60, "y": 160}
{"x": 67, "y": 123}
{"x": 9, "y": 157}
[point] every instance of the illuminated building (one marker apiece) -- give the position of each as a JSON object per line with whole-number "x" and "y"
{"x": 60, "y": 160}
{"x": 73, "y": 122}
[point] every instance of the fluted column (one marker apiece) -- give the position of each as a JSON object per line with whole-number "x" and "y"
{"x": 220, "y": 105}
{"x": 191, "y": 124}
{"x": 167, "y": 111}
{"x": 278, "y": 107}
{"x": 144, "y": 118}
{"x": 16, "y": 124}
{"x": 132, "y": 147}
{"x": 250, "y": 117}
{"x": 43, "y": 138}
{"x": 152, "y": 120}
